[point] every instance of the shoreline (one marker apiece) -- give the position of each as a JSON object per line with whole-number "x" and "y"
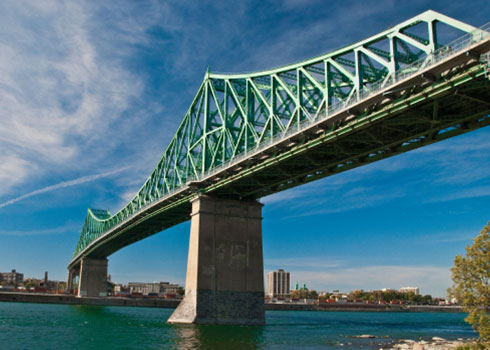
{"x": 68, "y": 299}
{"x": 436, "y": 343}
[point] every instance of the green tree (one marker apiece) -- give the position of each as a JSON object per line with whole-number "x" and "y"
{"x": 471, "y": 277}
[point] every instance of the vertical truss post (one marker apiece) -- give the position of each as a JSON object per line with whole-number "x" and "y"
{"x": 328, "y": 86}
{"x": 299, "y": 83}
{"x": 205, "y": 126}
{"x": 273, "y": 103}
{"x": 433, "y": 45}
{"x": 250, "y": 108}
{"x": 393, "y": 66}
{"x": 358, "y": 83}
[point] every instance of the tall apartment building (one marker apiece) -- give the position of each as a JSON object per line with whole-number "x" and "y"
{"x": 278, "y": 283}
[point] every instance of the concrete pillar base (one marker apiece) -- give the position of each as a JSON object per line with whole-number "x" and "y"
{"x": 69, "y": 284}
{"x": 225, "y": 278}
{"x": 93, "y": 278}
{"x": 225, "y": 307}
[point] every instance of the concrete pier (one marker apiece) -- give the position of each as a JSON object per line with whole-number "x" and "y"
{"x": 93, "y": 278}
{"x": 72, "y": 273}
{"x": 225, "y": 278}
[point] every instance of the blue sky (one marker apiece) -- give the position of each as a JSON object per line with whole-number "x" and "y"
{"x": 91, "y": 94}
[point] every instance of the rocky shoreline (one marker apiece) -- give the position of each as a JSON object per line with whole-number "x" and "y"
{"x": 435, "y": 343}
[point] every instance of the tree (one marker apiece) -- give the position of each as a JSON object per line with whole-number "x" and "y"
{"x": 304, "y": 294}
{"x": 471, "y": 277}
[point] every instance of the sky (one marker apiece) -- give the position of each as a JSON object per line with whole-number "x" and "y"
{"x": 92, "y": 92}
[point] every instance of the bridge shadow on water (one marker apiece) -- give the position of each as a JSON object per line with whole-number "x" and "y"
{"x": 202, "y": 337}
{"x": 100, "y": 327}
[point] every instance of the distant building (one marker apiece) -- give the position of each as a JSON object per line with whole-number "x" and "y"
{"x": 144, "y": 288}
{"x": 168, "y": 288}
{"x": 11, "y": 278}
{"x": 414, "y": 290}
{"x": 118, "y": 288}
{"x": 278, "y": 283}
{"x": 160, "y": 288}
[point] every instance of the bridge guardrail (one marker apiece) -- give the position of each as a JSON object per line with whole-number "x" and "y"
{"x": 433, "y": 58}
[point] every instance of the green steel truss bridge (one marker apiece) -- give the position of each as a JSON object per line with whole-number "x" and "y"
{"x": 249, "y": 135}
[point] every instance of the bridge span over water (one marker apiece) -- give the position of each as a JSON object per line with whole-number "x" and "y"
{"x": 246, "y": 136}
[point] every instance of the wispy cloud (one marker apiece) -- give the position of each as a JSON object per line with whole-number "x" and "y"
{"x": 448, "y": 237}
{"x": 49, "y": 231}
{"x": 14, "y": 171}
{"x": 60, "y": 185}
{"x": 313, "y": 262}
{"x": 475, "y": 192}
{"x": 60, "y": 93}
{"x": 330, "y": 199}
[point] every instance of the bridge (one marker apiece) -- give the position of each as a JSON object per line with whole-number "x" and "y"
{"x": 246, "y": 136}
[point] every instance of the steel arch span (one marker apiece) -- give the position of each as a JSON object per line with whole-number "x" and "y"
{"x": 249, "y": 135}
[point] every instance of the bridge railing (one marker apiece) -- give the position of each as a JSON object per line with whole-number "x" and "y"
{"x": 416, "y": 67}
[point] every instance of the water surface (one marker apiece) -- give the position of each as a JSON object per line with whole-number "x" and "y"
{"x": 46, "y": 327}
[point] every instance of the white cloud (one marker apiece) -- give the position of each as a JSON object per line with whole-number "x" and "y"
{"x": 475, "y": 192}
{"x": 49, "y": 231}
{"x": 447, "y": 237}
{"x": 60, "y": 185}
{"x": 313, "y": 262}
{"x": 59, "y": 95}
{"x": 13, "y": 171}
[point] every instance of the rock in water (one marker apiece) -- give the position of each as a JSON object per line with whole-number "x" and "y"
{"x": 438, "y": 339}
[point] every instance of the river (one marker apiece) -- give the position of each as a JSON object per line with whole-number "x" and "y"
{"x": 48, "y": 326}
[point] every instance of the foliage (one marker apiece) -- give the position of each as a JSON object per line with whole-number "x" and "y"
{"x": 471, "y": 277}
{"x": 304, "y": 294}
{"x": 472, "y": 346}
{"x": 29, "y": 285}
{"x": 389, "y": 296}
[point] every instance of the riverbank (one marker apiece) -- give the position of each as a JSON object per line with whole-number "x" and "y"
{"x": 172, "y": 303}
{"x": 436, "y": 343}
{"x": 73, "y": 300}
{"x": 362, "y": 307}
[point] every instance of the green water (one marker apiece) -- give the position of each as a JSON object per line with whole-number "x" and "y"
{"x": 43, "y": 327}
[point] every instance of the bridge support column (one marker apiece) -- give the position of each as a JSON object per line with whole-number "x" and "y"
{"x": 72, "y": 273}
{"x": 225, "y": 277}
{"x": 93, "y": 278}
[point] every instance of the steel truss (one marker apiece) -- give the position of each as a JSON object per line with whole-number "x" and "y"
{"x": 263, "y": 118}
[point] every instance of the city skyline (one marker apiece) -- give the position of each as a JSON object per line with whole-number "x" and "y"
{"x": 88, "y": 110}
{"x": 269, "y": 283}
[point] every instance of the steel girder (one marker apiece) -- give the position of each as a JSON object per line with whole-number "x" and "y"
{"x": 233, "y": 115}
